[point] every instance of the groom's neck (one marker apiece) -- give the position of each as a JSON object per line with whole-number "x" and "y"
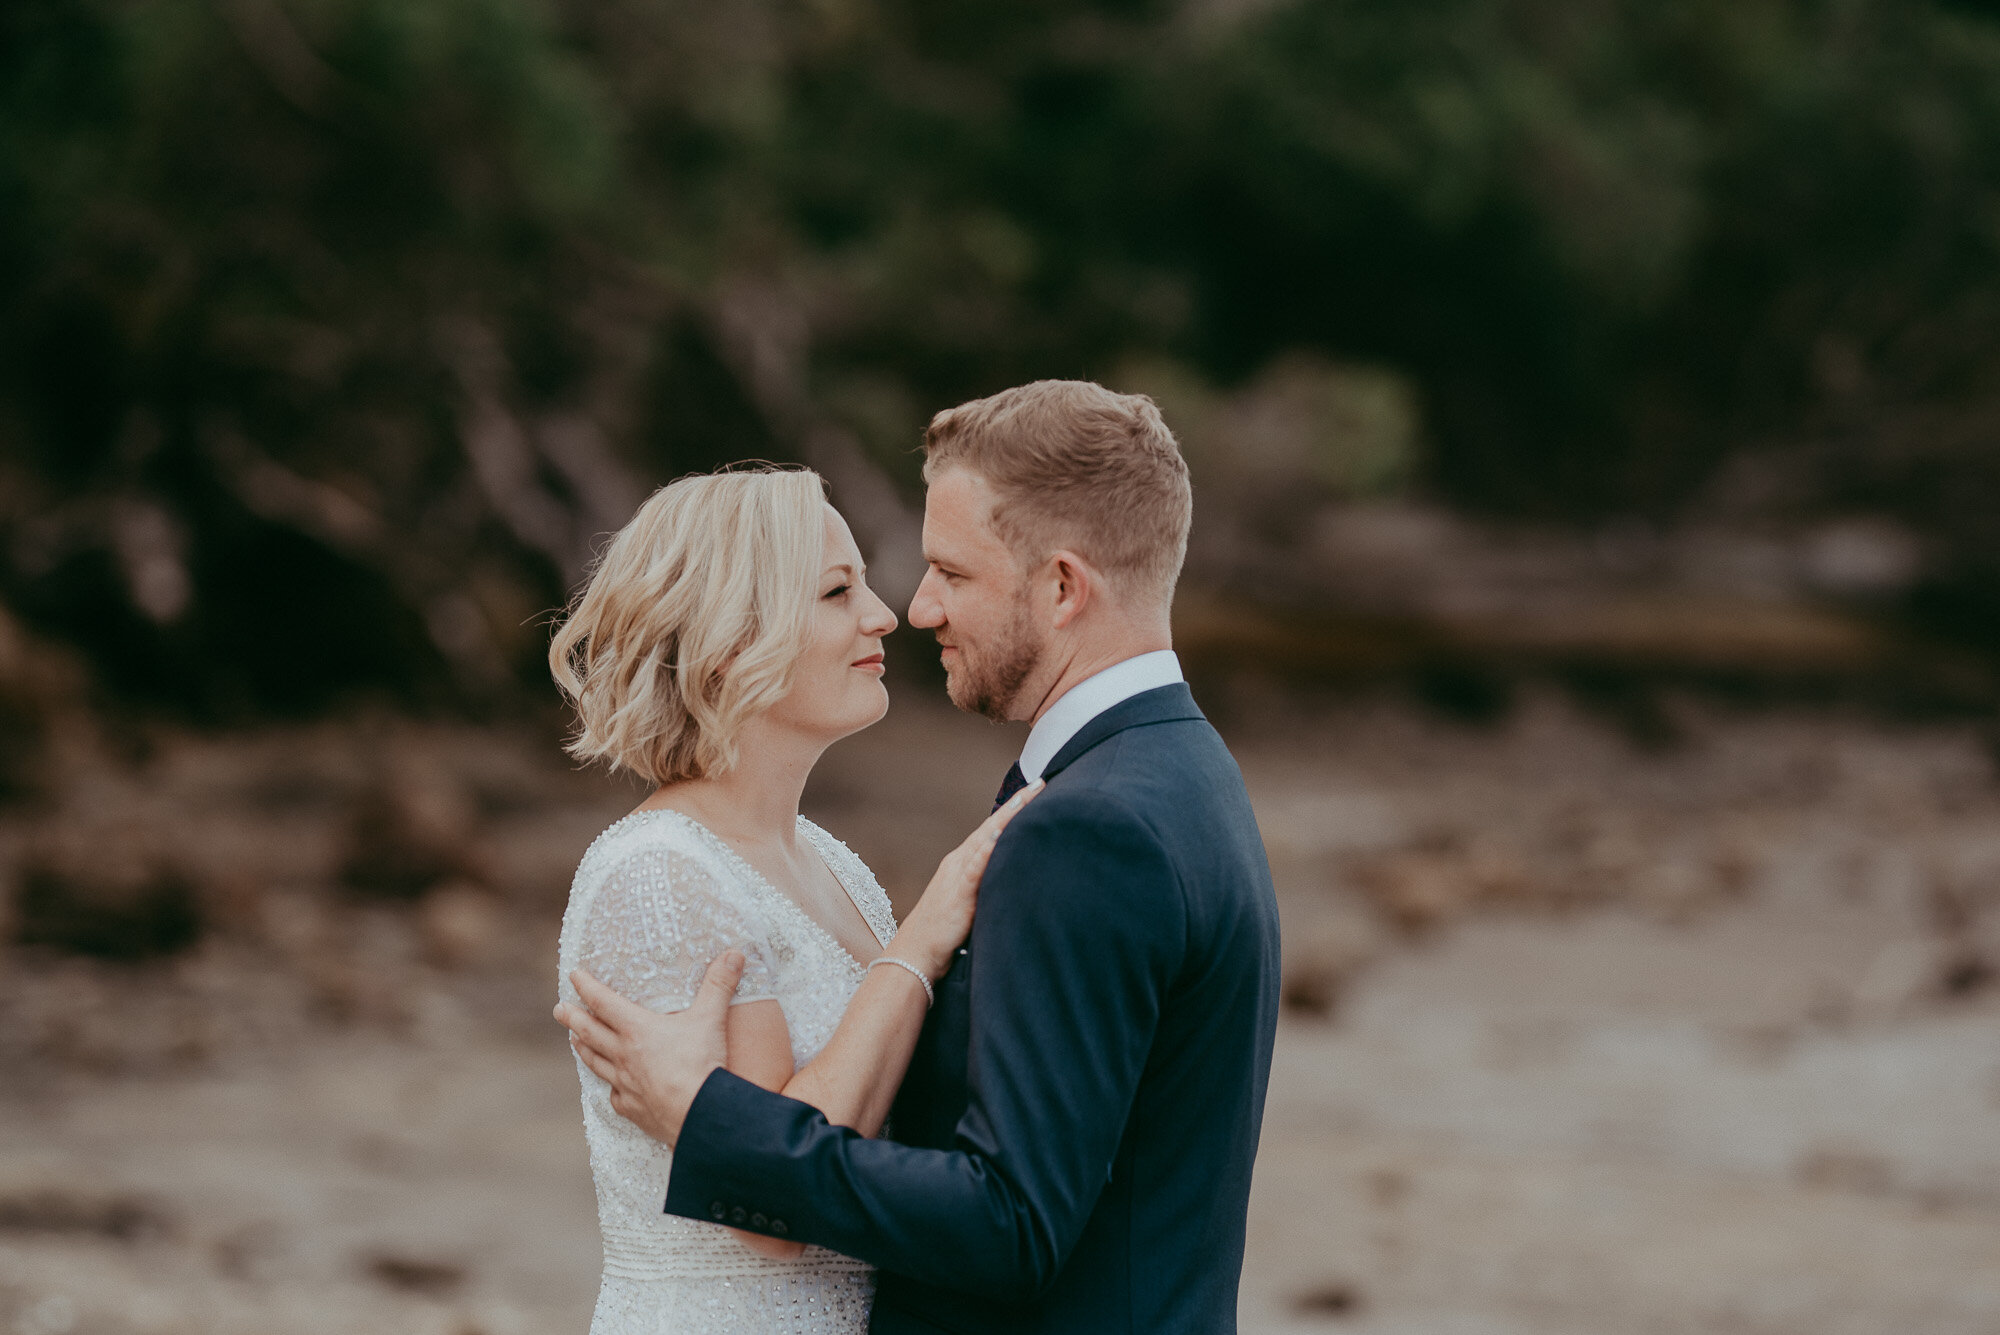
{"x": 1077, "y": 662}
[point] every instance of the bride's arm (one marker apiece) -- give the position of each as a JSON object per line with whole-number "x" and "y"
{"x": 760, "y": 1050}
{"x": 854, "y": 1078}
{"x": 852, "y": 1081}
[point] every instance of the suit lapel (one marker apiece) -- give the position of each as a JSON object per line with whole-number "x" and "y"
{"x": 1163, "y": 704}
{"x": 933, "y": 1095}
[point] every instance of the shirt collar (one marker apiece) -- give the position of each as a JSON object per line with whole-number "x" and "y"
{"x": 1090, "y": 697}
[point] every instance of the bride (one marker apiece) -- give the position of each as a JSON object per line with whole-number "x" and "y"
{"x": 726, "y": 638}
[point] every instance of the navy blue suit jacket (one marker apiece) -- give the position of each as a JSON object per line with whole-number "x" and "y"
{"x": 1074, "y": 1140}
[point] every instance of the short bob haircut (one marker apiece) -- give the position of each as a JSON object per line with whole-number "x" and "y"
{"x": 693, "y": 621}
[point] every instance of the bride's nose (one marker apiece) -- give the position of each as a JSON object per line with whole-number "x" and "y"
{"x": 877, "y": 620}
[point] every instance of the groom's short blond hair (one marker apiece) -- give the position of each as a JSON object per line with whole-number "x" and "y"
{"x": 1074, "y": 465}
{"x": 693, "y": 621}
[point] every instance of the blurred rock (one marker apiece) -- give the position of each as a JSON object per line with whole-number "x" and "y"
{"x": 1675, "y": 888}
{"x": 1965, "y": 971}
{"x": 460, "y": 925}
{"x": 296, "y": 925}
{"x": 415, "y": 1274}
{"x": 58, "y": 1211}
{"x": 20, "y": 747}
{"x": 1311, "y": 992}
{"x": 1420, "y": 888}
{"x": 244, "y": 1252}
{"x": 1861, "y": 558}
{"x": 1328, "y": 941}
{"x": 1338, "y": 1301}
{"x": 1292, "y": 575}
{"x": 1417, "y": 890}
{"x": 350, "y": 991}
{"x": 412, "y": 829}
{"x": 109, "y": 903}
{"x": 39, "y": 698}
{"x": 1839, "y": 1167}
{"x": 1902, "y": 975}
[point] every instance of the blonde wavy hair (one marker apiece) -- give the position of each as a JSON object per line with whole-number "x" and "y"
{"x": 693, "y": 621}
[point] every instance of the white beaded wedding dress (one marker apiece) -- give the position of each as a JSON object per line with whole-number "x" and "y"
{"x": 656, "y": 898}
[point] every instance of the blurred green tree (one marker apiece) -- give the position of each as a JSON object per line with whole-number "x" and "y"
{"x": 336, "y": 331}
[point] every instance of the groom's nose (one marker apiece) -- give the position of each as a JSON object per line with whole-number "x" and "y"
{"x": 926, "y": 608}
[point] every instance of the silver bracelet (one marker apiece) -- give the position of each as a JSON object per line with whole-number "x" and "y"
{"x": 930, "y": 997}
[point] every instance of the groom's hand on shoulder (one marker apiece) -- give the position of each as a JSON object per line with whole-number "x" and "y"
{"x": 654, "y": 1063}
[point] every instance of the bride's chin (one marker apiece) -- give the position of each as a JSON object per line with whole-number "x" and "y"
{"x": 867, "y": 717}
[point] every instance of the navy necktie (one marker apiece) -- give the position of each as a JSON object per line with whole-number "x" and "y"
{"x": 1012, "y": 784}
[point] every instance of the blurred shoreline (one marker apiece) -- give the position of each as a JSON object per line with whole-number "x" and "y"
{"x": 1592, "y": 417}
{"x": 1527, "y": 963}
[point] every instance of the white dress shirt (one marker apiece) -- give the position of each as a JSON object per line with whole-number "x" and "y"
{"x": 1090, "y": 697}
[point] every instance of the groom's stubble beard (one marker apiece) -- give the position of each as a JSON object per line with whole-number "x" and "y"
{"x": 988, "y": 684}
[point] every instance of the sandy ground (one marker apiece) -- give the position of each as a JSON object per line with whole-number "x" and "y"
{"x": 1582, "y": 1039}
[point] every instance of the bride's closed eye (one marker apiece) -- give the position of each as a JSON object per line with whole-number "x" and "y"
{"x": 837, "y": 591}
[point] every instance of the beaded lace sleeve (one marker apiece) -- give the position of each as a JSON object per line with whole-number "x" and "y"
{"x": 658, "y": 918}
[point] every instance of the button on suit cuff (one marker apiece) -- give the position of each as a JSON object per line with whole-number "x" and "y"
{"x": 690, "y": 1192}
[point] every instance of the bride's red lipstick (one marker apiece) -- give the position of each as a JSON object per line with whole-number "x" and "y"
{"x": 872, "y": 663}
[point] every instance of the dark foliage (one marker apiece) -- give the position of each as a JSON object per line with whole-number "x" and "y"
{"x": 334, "y": 333}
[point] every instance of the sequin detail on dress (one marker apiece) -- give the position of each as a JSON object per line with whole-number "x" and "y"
{"x": 657, "y": 897}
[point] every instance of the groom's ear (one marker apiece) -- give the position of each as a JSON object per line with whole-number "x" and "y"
{"x": 1077, "y": 582}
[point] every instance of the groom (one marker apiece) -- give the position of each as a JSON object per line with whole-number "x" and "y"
{"x": 1074, "y": 1139}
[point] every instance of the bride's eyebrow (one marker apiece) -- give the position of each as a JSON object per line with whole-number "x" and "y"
{"x": 852, "y": 572}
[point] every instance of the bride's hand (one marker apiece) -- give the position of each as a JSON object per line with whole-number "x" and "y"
{"x": 942, "y": 919}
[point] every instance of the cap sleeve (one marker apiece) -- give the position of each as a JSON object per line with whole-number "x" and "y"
{"x": 659, "y": 918}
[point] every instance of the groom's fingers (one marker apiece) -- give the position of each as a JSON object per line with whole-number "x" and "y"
{"x": 718, "y": 987}
{"x": 585, "y": 1026}
{"x": 987, "y": 836}
{"x": 601, "y": 1066}
{"x": 611, "y": 1008}
{"x": 1011, "y": 808}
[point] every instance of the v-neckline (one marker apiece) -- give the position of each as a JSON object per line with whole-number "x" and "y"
{"x": 763, "y": 882}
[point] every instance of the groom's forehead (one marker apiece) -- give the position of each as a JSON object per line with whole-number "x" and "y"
{"x": 958, "y": 512}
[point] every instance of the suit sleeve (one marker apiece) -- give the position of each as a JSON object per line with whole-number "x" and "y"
{"x": 1081, "y": 929}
